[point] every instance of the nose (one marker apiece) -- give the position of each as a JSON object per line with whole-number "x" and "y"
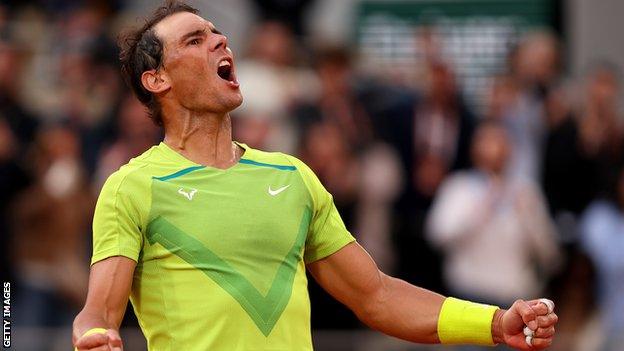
{"x": 220, "y": 43}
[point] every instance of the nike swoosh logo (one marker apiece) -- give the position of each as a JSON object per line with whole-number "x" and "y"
{"x": 188, "y": 195}
{"x": 277, "y": 191}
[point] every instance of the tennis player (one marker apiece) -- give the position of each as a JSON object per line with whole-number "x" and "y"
{"x": 210, "y": 239}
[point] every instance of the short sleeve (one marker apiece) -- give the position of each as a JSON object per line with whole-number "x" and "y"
{"x": 117, "y": 221}
{"x": 327, "y": 232}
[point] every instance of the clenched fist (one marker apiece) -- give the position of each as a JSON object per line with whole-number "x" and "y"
{"x": 111, "y": 341}
{"x": 508, "y": 326}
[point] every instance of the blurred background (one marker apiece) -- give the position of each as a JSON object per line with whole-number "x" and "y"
{"x": 474, "y": 147}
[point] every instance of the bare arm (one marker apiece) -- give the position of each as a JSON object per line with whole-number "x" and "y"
{"x": 384, "y": 303}
{"x": 109, "y": 287}
{"x": 402, "y": 310}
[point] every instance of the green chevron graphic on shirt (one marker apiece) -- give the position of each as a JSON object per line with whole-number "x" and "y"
{"x": 263, "y": 310}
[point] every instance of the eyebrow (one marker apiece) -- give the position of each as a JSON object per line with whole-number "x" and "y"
{"x": 199, "y": 32}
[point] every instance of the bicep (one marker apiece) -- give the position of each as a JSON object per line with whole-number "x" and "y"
{"x": 350, "y": 275}
{"x": 387, "y": 304}
{"x": 110, "y": 282}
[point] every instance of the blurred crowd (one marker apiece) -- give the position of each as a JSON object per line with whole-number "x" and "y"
{"x": 521, "y": 198}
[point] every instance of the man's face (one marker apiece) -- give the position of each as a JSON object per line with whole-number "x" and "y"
{"x": 198, "y": 64}
{"x": 491, "y": 149}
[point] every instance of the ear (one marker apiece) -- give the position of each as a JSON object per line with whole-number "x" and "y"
{"x": 155, "y": 81}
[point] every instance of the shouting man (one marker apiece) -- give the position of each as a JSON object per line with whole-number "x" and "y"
{"x": 210, "y": 239}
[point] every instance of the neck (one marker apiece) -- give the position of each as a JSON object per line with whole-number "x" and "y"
{"x": 204, "y": 138}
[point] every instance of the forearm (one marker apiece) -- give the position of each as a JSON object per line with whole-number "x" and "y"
{"x": 411, "y": 313}
{"x": 399, "y": 309}
{"x": 403, "y": 310}
{"x": 109, "y": 288}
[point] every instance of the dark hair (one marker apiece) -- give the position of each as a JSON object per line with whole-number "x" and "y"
{"x": 141, "y": 50}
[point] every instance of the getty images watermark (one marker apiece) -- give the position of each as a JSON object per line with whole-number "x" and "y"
{"x": 6, "y": 315}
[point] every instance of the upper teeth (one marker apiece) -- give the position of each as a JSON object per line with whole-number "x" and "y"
{"x": 224, "y": 63}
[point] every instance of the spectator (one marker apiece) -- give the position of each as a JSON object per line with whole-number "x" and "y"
{"x": 432, "y": 137}
{"x": 51, "y": 220}
{"x": 567, "y": 169}
{"x": 12, "y": 180}
{"x": 583, "y": 146}
{"x": 443, "y": 128}
{"x": 342, "y": 108}
{"x": 136, "y": 134}
{"x": 601, "y": 131}
{"x": 534, "y": 67}
{"x": 602, "y": 228}
{"x": 22, "y": 124}
{"x": 339, "y": 100}
{"x": 271, "y": 82}
{"x": 482, "y": 216}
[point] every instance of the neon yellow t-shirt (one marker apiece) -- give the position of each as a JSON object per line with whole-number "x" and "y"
{"x": 220, "y": 254}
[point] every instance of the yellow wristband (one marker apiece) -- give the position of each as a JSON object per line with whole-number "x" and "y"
{"x": 465, "y": 322}
{"x": 91, "y": 332}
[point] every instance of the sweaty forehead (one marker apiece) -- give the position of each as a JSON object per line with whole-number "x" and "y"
{"x": 172, "y": 28}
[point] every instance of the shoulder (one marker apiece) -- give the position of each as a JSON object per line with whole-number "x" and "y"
{"x": 279, "y": 160}
{"x": 130, "y": 177}
{"x": 303, "y": 169}
{"x": 286, "y": 162}
{"x": 268, "y": 157}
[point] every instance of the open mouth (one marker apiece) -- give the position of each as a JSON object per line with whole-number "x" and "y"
{"x": 225, "y": 70}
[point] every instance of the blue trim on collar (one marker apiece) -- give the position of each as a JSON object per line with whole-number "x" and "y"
{"x": 179, "y": 173}
{"x": 262, "y": 164}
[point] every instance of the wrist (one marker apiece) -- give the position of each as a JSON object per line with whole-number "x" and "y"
{"x": 465, "y": 322}
{"x": 497, "y": 327}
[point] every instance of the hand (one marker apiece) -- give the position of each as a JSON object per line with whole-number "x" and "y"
{"x": 508, "y": 326}
{"x": 111, "y": 341}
